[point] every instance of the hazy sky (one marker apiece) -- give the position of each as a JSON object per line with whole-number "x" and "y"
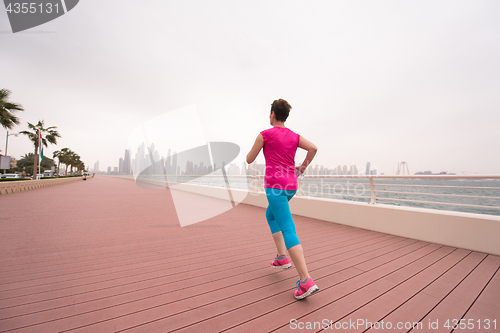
{"x": 378, "y": 81}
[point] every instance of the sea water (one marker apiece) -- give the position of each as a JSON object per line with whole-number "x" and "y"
{"x": 342, "y": 188}
{"x": 346, "y": 188}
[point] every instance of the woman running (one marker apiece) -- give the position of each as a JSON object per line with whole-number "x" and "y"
{"x": 280, "y": 184}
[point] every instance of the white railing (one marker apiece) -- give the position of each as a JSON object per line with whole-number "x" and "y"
{"x": 371, "y": 190}
{"x": 374, "y": 188}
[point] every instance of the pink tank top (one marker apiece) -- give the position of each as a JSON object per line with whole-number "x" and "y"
{"x": 280, "y": 146}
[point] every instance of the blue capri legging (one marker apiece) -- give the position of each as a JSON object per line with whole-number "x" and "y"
{"x": 279, "y": 217}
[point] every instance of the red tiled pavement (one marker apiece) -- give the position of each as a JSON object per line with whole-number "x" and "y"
{"x": 105, "y": 255}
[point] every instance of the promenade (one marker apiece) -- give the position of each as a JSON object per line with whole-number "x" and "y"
{"x": 105, "y": 255}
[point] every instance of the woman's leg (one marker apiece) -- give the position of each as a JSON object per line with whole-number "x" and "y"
{"x": 297, "y": 255}
{"x": 280, "y": 243}
{"x": 276, "y": 232}
{"x": 280, "y": 211}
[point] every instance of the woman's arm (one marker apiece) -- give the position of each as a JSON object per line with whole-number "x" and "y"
{"x": 257, "y": 146}
{"x": 311, "y": 152}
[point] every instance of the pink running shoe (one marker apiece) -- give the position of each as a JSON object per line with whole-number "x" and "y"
{"x": 283, "y": 263}
{"x": 305, "y": 289}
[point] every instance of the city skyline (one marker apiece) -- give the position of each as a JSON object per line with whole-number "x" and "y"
{"x": 142, "y": 161}
{"x": 168, "y": 166}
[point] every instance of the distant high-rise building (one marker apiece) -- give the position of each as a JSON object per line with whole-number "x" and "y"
{"x": 120, "y": 165}
{"x": 96, "y": 166}
{"x": 316, "y": 170}
{"x": 138, "y": 163}
{"x": 126, "y": 163}
{"x": 403, "y": 168}
{"x": 156, "y": 161}
{"x": 201, "y": 169}
{"x": 189, "y": 168}
{"x": 174, "y": 168}
{"x": 109, "y": 169}
{"x": 367, "y": 172}
{"x": 168, "y": 164}
{"x": 353, "y": 170}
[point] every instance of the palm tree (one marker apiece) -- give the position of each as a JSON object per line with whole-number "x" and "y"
{"x": 7, "y": 119}
{"x": 47, "y": 163}
{"x": 74, "y": 160}
{"x": 28, "y": 160}
{"x": 65, "y": 158}
{"x": 61, "y": 158}
{"x": 80, "y": 166}
{"x": 49, "y": 134}
{"x": 57, "y": 154}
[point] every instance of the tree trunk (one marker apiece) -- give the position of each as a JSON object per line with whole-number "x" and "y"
{"x": 35, "y": 165}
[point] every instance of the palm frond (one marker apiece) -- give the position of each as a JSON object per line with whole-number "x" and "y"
{"x": 49, "y": 135}
{"x": 7, "y": 118}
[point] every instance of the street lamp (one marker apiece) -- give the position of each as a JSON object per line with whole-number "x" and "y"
{"x": 7, "y": 143}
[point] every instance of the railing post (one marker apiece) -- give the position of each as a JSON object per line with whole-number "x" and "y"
{"x": 255, "y": 184}
{"x": 299, "y": 191}
{"x": 372, "y": 188}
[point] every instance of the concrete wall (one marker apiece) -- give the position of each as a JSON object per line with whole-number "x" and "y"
{"x": 475, "y": 232}
{"x": 9, "y": 187}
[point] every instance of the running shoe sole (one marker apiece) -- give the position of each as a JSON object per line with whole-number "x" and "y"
{"x": 286, "y": 266}
{"x": 309, "y": 292}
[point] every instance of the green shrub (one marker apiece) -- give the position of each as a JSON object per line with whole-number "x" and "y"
{"x": 12, "y": 179}
{"x": 15, "y": 179}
